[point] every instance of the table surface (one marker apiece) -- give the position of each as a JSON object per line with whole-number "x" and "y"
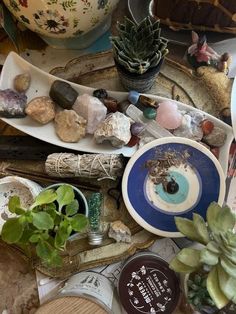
{"x": 48, "y": 61}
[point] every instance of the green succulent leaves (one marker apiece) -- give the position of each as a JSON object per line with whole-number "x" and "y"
{"x": 218, "y": 252}
{"x": 220, "y": 219}
{"x": 192, "y": 229}
{"x": 139, "y": 47}
{"x": 47, "y": 224}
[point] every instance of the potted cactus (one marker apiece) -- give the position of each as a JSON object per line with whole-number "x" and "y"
{"x": 138, "y": 51}
{"x": 210, "y": 283}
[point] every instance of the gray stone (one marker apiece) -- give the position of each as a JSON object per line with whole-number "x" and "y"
{"x": 216, "y": 138}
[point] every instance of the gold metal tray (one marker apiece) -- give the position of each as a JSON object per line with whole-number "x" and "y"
{"x": 175, "y": 80}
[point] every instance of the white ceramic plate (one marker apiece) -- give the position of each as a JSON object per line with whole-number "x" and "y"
{"x": 40, "y": 86}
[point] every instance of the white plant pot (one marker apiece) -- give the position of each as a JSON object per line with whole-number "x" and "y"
{"x": 26, "y": 189}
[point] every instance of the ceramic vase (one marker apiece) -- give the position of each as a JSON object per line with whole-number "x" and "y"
{"x": 72, "y": 24}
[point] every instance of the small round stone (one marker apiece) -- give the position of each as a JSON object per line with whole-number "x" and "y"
{"x": 22, "y": 82}
{"x": 150, "y": 113}
{"x": 133, "y": 141}
{"x": 216, "y": 138}
{"x": 100, "y": 93}
{"x": 137, "y": 128}
{"x": 133, "y": 97}
{"x": 207, "y": 126}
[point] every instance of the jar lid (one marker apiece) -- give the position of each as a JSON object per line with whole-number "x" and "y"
{"x": 75, "y": 305}
{"x": 148, "y": 285}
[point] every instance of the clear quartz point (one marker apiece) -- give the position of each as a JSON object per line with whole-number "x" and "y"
{"x": 151, "y": 126}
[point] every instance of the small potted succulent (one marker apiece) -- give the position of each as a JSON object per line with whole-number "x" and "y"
{"x": 210, "y": 268}
{"x": 138, "y": 51}
{"x": 44, "y": 228}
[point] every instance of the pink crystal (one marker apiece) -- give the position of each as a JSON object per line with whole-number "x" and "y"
{"x": 167, "y": 105}
{"x": 91, "y": 109}
{"x": 168, "y": 115}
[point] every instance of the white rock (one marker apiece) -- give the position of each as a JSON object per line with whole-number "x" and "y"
{"x": 115, "y": 128}
{"x": 91, "y": 109}
{"x": 120, "y": 232}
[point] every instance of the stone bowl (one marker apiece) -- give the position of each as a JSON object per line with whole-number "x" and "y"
{"x": 63, "y": 19}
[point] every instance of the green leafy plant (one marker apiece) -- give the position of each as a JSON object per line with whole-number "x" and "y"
{"x": 46, "y": 225}
{"x": 216, "y": 257}
{"x": 139, "y": 47}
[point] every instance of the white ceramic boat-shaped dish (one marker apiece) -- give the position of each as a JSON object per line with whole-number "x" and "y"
{"x": 40, "y": 86}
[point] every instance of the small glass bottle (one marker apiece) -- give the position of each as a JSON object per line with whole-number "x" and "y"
{"x": 95, "y": 234}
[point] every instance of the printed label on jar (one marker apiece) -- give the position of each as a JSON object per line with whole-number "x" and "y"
{"x": 91, "y": 284}
{"x": 147, "y": 285}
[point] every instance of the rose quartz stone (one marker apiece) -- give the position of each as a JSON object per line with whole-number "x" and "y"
{"x": 91, "y": 109}
{"x": 168, "y": 115}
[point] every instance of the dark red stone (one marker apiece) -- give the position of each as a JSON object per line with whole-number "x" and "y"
{"x": 207, "y": 126}
{"x": 110, "y": 103}
{"x": 133, "y": 141}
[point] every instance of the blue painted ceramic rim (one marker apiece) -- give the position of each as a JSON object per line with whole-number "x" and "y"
{"x": 140, "y": 215}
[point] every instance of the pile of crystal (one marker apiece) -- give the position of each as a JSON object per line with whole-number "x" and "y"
{"x": 133, "y": 122}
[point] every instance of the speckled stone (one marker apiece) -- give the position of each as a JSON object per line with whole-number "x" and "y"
{"x": 69, "y": 126}
{"x": 22, "y": 82}
{"x": 41, "y": 109}
{"x": 216, "y": 138}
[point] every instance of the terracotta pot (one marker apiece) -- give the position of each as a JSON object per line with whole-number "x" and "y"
{"x": 139, "y": 82}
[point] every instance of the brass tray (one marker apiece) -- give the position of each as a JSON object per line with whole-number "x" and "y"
{"x": 80, "y": 255}
{"x": 175, "y": 80}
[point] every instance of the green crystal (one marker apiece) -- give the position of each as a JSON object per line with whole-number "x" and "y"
{"x": 95, "y": 209}
{"x": 150, "y": 113}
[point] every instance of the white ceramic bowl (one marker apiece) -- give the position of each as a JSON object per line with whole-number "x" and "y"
{"x": 60, "y": 18}
{"x": 26, "y": 189}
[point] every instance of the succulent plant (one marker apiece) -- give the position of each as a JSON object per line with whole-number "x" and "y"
{"x": 217, "y": 254}
{"x": 198, "y": 295}
{"x": 139, "y": 47}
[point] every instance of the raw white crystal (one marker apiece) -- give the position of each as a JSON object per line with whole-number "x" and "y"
{"x": 189, "y": 129}
{"x": 115, "y": 128}
{"x": 119, "y": 231}
{"x": 91, "y": 109}
{"x": 151, "y": 126}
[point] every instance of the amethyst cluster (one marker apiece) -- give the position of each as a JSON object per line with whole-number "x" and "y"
{"x": 12, "y": 104}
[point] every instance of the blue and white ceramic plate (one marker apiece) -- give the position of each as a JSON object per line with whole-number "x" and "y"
{"x": 197, "y": 176}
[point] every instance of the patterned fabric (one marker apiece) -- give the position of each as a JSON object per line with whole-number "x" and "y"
{"x": 211, "y": 15}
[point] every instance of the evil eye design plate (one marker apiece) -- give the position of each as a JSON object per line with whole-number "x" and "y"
{"x": 200, "y": 181}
